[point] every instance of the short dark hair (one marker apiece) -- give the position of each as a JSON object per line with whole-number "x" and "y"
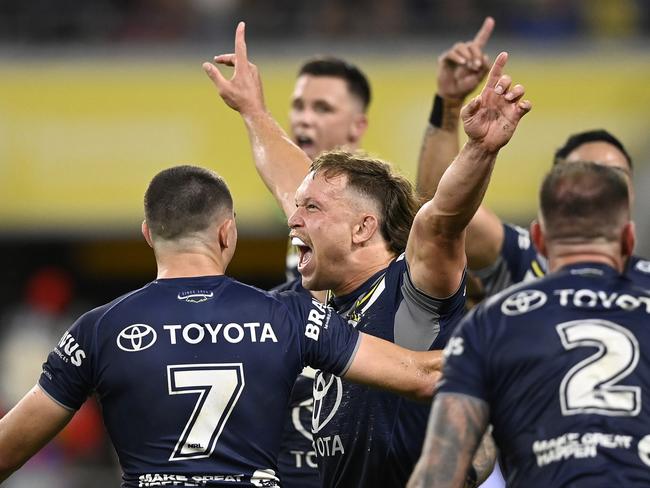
{"x": 393, "y": 194}
{"x": 356, "y": 81}
{"x": 598, "y": 135}
{"x": 184, "y": 199}
{"x": 584, "y": 201}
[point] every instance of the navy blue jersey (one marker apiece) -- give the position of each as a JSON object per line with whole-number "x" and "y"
{"x": 297, "y": 461}
{"x": 297, "y": 458}
{"x": 560, "y": 363}
{"x": 194, "y": 376}
{"x": 365, "y": 437}
{"x": 520, "y": 262}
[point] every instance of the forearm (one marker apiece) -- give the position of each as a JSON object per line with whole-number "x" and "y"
{"x": 456, "y": 425}
{"x": 385, "y": 365}
{"x": 461, "y": 189}
{"x": 281, "y": 164}
{"x": 440, "y": 146}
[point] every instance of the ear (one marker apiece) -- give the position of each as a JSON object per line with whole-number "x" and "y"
{"x": 365, "y": 229}
{"x": 226, "y": 234}
{"x": 538, "y": 238}
{"x": 628, "y": 239}
{"x": 358, "y": 128}
{"x": 146, "y": 233}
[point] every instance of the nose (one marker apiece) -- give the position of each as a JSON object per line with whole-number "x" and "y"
{"x": 303, "y": 117}
{"x": 295, "y": 219}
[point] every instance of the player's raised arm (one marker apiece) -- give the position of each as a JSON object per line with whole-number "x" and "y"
{"x": 436, "y": 246}
{"x": 460, "y": 71}
{"x": 456, "y": 426}
{"x": 385, "y": 365}
{"x": 281, "y": 164}
{"x": 31, "y": 424}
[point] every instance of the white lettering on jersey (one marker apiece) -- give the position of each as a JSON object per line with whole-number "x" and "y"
{"x": 455, "y": 347}
{"x": 315, "y": 320}
{"x": 585, "y": 298}
{"x": 329, "y": 446}
{"x": 233, "y": 333}
{"x": 577, "y": 446}
{"x": 68, "y": 349}
{"x": 644, "y": 450}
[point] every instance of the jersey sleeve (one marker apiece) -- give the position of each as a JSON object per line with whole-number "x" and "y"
{"x": 423, "y": 322}
{"x": 67, "y": 373}
{"x": 518, "y": 261}
{"x": 465, "y": 368}
{"x": 328, "y": 341}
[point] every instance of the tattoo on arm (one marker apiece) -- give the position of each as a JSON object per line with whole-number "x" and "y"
{"x": 456, "y": 426}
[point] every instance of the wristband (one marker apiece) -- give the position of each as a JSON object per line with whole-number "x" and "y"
{"x": 435, "y": 118}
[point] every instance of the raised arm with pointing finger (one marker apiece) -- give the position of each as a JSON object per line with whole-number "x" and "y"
{"x": 281, "y": 164}
{"x": 460, "y": 71}
{"x": 394, "y": 271}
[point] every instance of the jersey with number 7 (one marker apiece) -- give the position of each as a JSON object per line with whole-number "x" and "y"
{"x": 194, "y": 376}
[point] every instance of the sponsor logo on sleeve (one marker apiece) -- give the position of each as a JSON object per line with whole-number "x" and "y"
{"x": 69, "y": 350}
{"x": 136, "y": 337}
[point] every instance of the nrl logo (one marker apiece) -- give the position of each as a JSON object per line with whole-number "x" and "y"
{"x": 195, "y": 296}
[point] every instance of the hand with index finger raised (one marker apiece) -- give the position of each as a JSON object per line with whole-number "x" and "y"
{"x": 243, "y": 91}
{"x": 463, "y": 67}
{"x": 491, "y": 118}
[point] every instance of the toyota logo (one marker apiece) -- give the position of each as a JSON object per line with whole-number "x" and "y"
{"x": 322, "y": 386}
{"x": 136, "y": 337}
{"x": 523, "y": 302}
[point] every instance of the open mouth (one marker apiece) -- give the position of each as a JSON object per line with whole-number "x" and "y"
{"x": 304, "y": 251}
{"x": 304, "y": 142}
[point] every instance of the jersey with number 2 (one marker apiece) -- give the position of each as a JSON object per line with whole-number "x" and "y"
{"x": 563, "y": 364}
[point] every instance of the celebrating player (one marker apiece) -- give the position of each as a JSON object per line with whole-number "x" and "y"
{"x": 349, "y": 216}
{"x": 555, "y": 365}
{"x": 194, "y": 370}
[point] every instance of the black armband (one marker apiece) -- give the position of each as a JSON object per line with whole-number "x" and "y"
{"x": 435, "y": 118}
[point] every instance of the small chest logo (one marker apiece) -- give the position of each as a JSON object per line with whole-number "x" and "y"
{"x": 136, "y": 337}
{"x": 195, "y": 296}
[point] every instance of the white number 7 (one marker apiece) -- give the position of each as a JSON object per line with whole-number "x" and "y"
{"x": 219, "y": 387}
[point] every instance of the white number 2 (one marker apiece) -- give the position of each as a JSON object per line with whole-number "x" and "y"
{"x": 219, "y": 387}
{"x": 590, "y": 386}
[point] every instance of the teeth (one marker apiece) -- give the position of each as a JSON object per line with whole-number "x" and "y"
{"x": 297, "y": 241}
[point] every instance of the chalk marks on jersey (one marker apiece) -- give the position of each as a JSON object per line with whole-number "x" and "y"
{"x": 590, "y": 386}
{"x": 219, "y": 386}
{"x": 136, "y": 337}
{"x": 523, "y": 302}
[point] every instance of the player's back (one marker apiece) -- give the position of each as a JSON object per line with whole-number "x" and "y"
{"x": 193, "y": 375}
{"x": 568, "y": 385}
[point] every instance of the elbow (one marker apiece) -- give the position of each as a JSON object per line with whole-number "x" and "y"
{"x": 426, "y": 387}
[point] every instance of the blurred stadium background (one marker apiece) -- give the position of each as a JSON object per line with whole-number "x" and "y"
{"x": 96, "y": 97}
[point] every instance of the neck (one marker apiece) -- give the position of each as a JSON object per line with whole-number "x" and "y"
{"x": 560, "y": 256}
{"x": 187, "y": 264}
{"x": 360, "y": 269}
